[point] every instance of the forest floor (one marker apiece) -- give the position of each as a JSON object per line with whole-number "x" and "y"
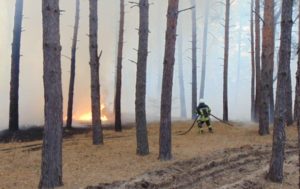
{"x": 232, "y": 157}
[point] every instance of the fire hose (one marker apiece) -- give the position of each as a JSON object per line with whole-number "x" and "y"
{"x": 225, "y": 122}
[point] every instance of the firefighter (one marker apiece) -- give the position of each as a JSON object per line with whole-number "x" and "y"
{"x": 203, "y": 112}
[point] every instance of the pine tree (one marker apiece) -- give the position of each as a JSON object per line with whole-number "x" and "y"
{"x": 276, "y": 165}
{"x": 118, "y": 122}
{"x": 165, "y": 142}
{"x": 140, "y": 102}
{"x": 94, "y": 66}
{"x": 267, "y": 60}
{"x": 73, "y": 64}
{"x": 226, "y": 51}
{"x": 51, "y": 173}
{"x": 15, "y": 68}
{"x": 194, "y": 58}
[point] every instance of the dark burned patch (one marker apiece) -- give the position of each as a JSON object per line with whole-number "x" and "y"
{"x": 35, "y": 134}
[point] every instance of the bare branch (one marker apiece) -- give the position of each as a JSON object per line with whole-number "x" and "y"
{"x": 186, "y": 9}
{"x": 132, "y": 61}
{"x": 98, "y": 58}
{"x": 259, "y": 17}
{"x": 66, "y": 57}
{"x": 134, "y": 4}
{"x": 297, "y": 17}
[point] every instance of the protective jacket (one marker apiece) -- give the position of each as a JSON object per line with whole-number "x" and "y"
{"x": 203, "y": 111}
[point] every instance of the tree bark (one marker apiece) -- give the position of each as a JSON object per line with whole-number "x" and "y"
{"x": 194, "y": 58}
{"x": 118, "y": 123}
{"x": 73, "y": 64}
{"x": 289, "y": 98}
{"x": 276, "y": 19}
{"x": 297, "y": 96}
{"x": 94, "y": 66}
{"x": 204, "y": 50}
{"x": 51, "y": 169}
{"x": 15, "y": 68}
{"x": 297, "y": 93}
{"x": 257, "y": 58}
{"x": 267, "y": 60}
{"x": 276, "y": 165}
{"x": 165, "y": 142}
{"x": 183, "y": 112}
{"x": 252, "y": 64}
{"x": 226, "y": 51}
{"x": 140, "y": 95}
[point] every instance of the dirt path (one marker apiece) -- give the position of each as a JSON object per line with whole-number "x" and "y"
{"x": 237, "y": 168}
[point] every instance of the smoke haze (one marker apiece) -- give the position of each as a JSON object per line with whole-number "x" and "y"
{"x": 31, "y": 99}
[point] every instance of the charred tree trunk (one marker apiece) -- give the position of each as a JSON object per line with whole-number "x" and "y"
{"x": 226, "y": 51}
{"x": 252, "y": 65}
{"x": 140, "y": 95}
{"x": 183, "y": 112}
{"x": 204, "y": 49}
{"x": 118, "y": 123}
{"x": 73, "y": 64}
{"x": 15, "y": 68}
{"x": 94, "y": 65}
{"x": 165, "y": 142}
{"x": 257, "y": 58}
{"x": 276, "y": 165}
{"x": 194, "y": 58}
{"x": 267, "y": 60}
{"x": 51, "y": 169}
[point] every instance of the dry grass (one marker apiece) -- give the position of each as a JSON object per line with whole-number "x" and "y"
{"x": 85, "y": 164}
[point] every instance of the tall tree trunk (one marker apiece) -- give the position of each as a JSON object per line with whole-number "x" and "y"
{"x": 140, "y": 95}
{"x": 289, "y": 98}
{"x": 238, "y": 72}
{"x": 15, "y": 67}
{"x": 297, "y": 93}
{"x": 204, "y": 49}
{"x": 297, "y": 96}
{"x": 73, "y": 62}
{"x": 194, "y": 58}
{"x": 226, "y": 51}
{"x": 165, "y": 142}
{"x": 271, "y": 106}
{"x": 118, "y": 123}
{"x": 94, "y": 65}
{"x": 267, "y": 60}
{"x": 276, "y": 19}
{"x": 51, "y": 169}
{"x": 252, "y": 65}
{"x": 276, "y": 164}
{"x": 257, "y": 58}
{"x": 183, "y": 113}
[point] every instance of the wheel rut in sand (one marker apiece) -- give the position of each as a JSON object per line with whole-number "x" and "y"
{"x": 237, "y": 168}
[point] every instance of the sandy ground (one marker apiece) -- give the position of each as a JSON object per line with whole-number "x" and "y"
{"x": 231, "y": 157}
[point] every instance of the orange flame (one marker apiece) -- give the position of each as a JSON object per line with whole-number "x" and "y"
{"x": 87, "y": 117}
